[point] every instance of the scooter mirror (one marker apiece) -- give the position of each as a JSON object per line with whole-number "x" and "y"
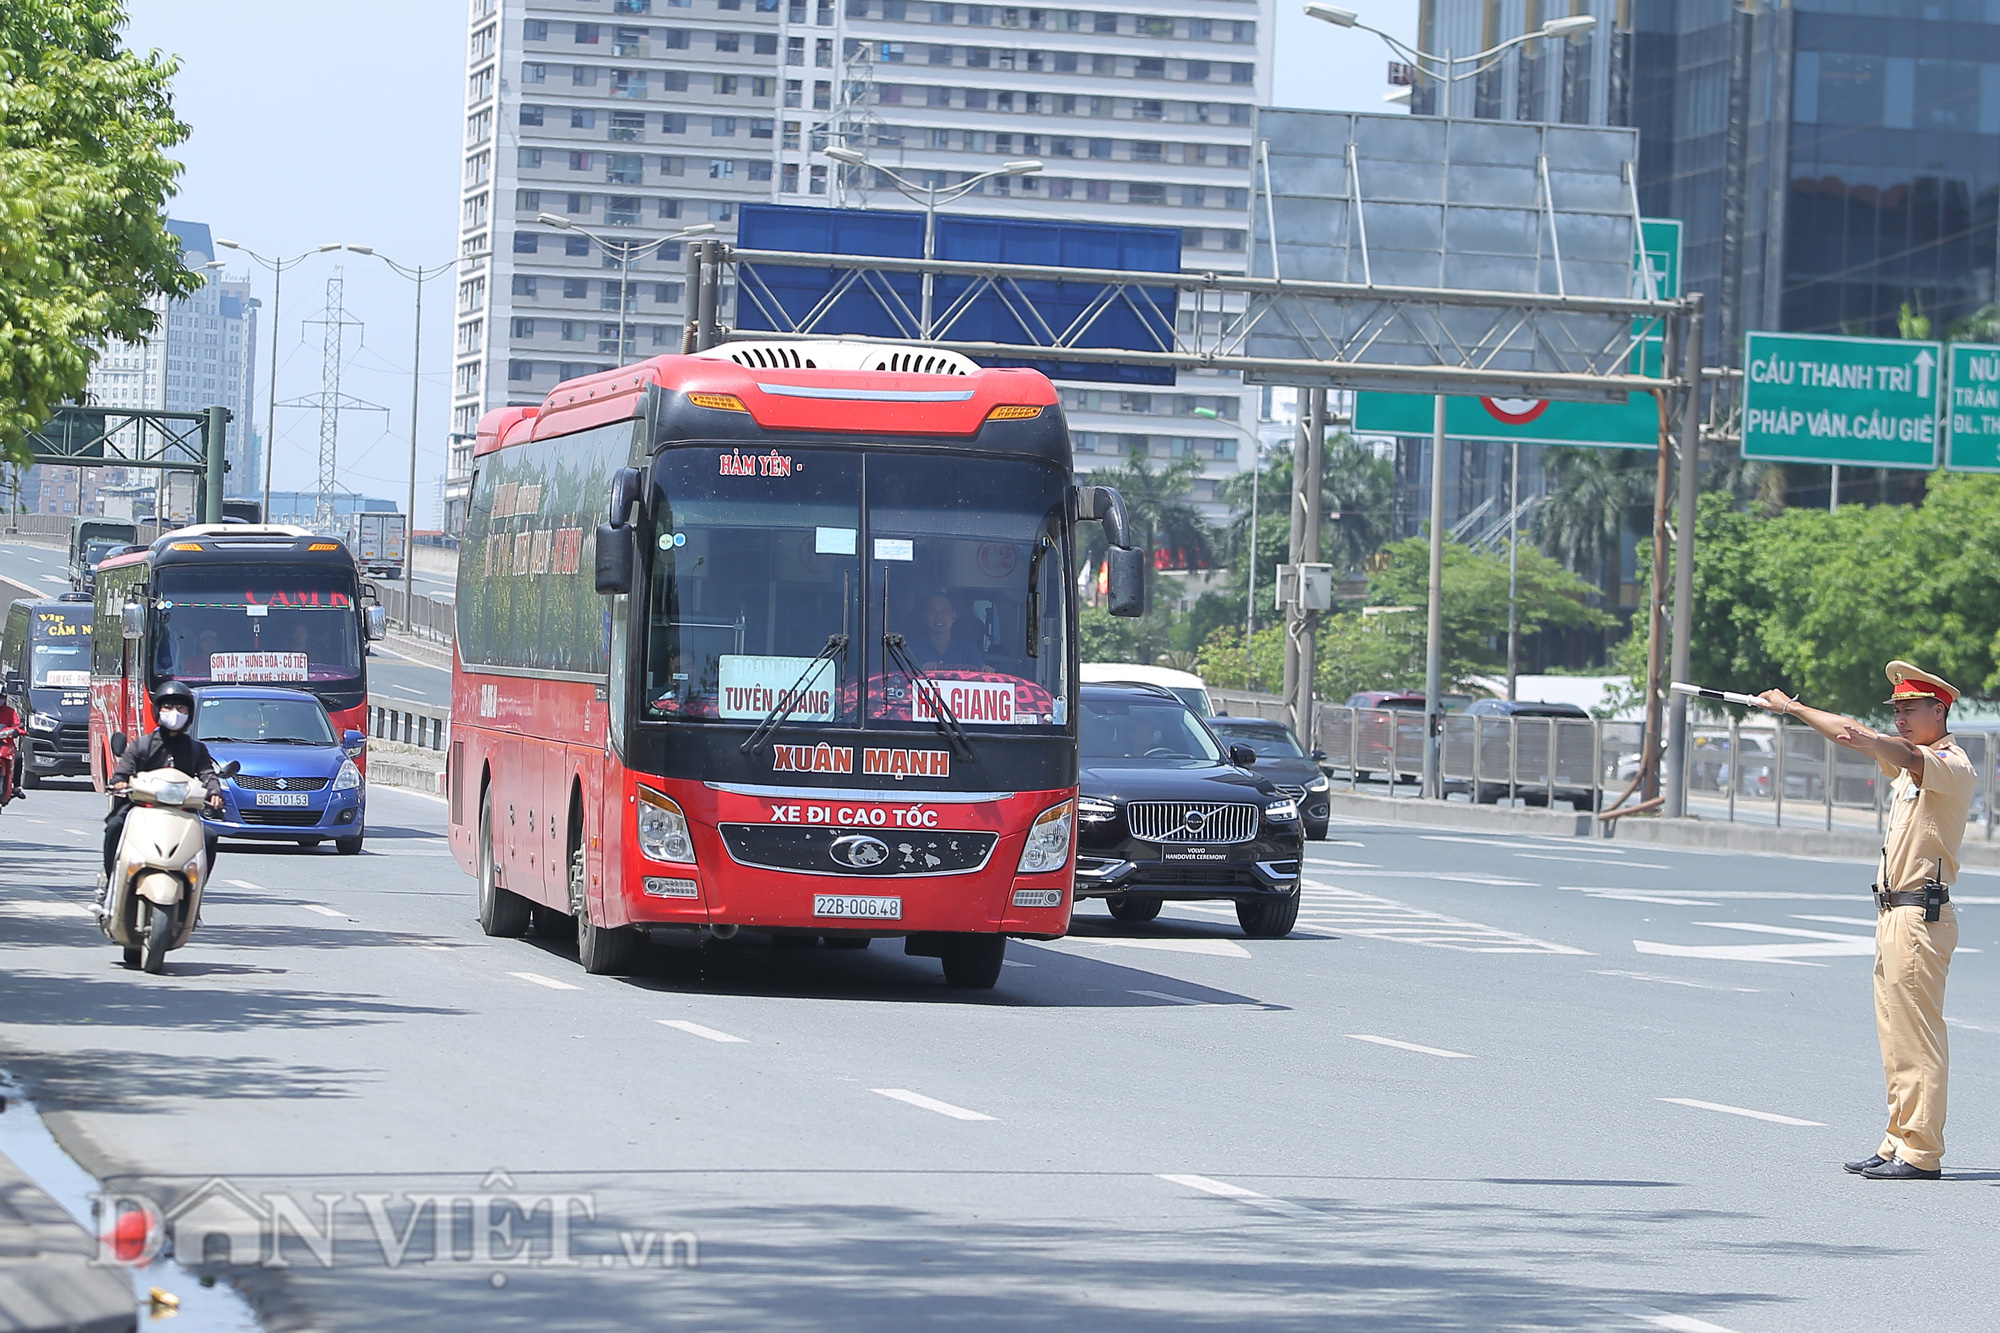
{"x": 229, "y": 770}
{"x": 118, "y": 745}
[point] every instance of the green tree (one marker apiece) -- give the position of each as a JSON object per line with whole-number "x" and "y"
{"x": 1475, "y": 600}
{"x": 1817, "y": 603}
{"x": 1156, "y": 504}
{"x": 83, "y": 178}
{"x": 1582, "y": 520}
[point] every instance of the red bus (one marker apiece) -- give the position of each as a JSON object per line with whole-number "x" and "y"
{"x": 815, "y": 676}
{"x": 227, "y": 604}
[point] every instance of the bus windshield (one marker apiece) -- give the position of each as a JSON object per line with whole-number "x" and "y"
{"x": 755, "y": 568}
{"x": 270, "y": 625}
{"x": 60, "y": 666}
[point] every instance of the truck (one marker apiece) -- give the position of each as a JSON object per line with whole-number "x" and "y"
{"x": 377, "y": 539}
{"x": 90, "y": 540}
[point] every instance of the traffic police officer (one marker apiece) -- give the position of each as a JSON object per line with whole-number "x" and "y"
{"x": 1916, "y": 927}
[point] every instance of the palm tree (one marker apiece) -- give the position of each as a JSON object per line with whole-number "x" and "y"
{"x": 1156, "y": 504}
{"x": 1581, "y": 521}
{"x": 1357, "y": 495}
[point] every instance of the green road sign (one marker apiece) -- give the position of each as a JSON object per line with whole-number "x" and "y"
{"x": 1632, "y": 424}
{"x": 1973, "y": 444}
{"x": 1872, "y": 402}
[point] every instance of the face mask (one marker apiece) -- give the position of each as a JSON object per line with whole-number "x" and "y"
{"x": 173, "y": 719}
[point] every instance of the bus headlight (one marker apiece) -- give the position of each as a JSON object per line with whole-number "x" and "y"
{"x": 663, "y": 829}
{"x": 1282, "y": 812}
{"x": 1047, "y": 847}
{"x": 348, "y": 778}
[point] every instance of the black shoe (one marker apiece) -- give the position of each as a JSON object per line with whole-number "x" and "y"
{"x": 1866, "y": 1164}
{"x": 1899, "y": 1170}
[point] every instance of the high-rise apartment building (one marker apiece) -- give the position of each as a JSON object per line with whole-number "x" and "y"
{"x": 640, "y": 117}
{"x": 202, "y": 353}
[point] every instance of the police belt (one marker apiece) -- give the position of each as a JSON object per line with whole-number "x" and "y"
{"x": 1930, "y": 897}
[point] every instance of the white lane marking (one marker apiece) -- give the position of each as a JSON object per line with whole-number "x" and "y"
{"x": 1444, "y": 876}
{"x": 1178, "y": 999}
{"x": 1634, "y": 896}
{"x": 35, "y": 908}
{"x": 1409, "y": 1046}
{"x": 1673, "y": 981}
{"x": 1212, "y": 948}
{"x": 1969, "y": 1027}
{"x": 1811, "y": 944}
{"x": 1347, "y": 912}
{"x": 439, "y": 948}
{"x": 1224, "y": 1190}
{"x": 1836, "y": 920}
{"x": 538, "y": 979}
{"x": 1673, "y": 1323}
{"x": 35, "y": 559}
{"x": 695, "y": 1029}
{"x": 1727, "y": 895}
{"x": 928, "y": 1103}
{"x": 55, "y": 578}
{"x": 1346, "y": 865}
{"x": 1771, "y": 1116}
{"x": 1586, "y": 861}
{"x": 76, "y": 832}
{"x": 1011, "y": 962}
{"x": 324, "y": 911}
{"x": 405, "y": 690}
{"x": 245, "y": 884}
{"x": 1580, "y": 846}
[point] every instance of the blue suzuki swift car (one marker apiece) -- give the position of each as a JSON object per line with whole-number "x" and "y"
{"x": 298, "y": 781}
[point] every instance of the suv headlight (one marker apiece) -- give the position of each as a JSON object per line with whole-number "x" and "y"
{"x": 1281, "y": 812}
{"x": 1047, "y": 847}
{"x": 348, "y": 778}
{"x": 1319, "y": 783}
{"x": 1092, "y": 810}
{"x": 663, "y": 829}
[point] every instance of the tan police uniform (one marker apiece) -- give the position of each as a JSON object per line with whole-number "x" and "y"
{"x": 1926, "y": 825}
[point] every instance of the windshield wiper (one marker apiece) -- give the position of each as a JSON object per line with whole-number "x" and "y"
{"x": 920, "y": 681}
{"x": 789, "y": 700}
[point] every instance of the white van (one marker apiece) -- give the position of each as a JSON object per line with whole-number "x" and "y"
{"x": 1184, "y": 684}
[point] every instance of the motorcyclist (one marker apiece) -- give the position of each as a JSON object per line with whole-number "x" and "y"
{"x": 13, "y": 749}
{"x": 169, "y": 746}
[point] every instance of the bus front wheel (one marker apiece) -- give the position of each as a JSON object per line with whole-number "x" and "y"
{"x": 501, "y": 913}
{"x": 972, "y": 962}
{"x": 604, "y": 951}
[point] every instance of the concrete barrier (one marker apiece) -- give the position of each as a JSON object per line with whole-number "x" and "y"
{"x": 50, "y": 1280}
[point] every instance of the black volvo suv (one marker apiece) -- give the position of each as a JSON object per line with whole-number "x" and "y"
{"x": 1165, "y": 812}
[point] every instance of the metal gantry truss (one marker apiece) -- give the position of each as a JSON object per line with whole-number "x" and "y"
{"x": 1340, "y": 329}
{"x": 139, "y": 438}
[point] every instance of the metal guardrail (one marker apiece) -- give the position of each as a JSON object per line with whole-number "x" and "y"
{"x": 1734, "y": 773}
{"x": 427, "y": 726}
{"x": 431, "y": 618}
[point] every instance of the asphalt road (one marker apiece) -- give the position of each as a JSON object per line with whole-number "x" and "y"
{"x": 44, "y": 569}
{"x": 1492, "y": 1083}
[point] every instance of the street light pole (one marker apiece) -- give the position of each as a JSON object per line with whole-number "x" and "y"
{"x": 625, "y": 252}
{"x": 277, "y": 267}
{"x": 419, "y": 274}
{"x": 1443, "y": 70}
{"x": 928, "y": 196}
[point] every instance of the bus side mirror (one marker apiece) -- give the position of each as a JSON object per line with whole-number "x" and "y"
{"x": 615, "y": 559}
{"x": 132, "y": 619}
{"x": 374, "y": 622}
{"x": 624, "y": 495}
{"x": 1125, "y": 582}
{"x": 117, "y": 745}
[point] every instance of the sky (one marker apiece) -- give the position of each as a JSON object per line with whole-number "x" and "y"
{"x": 318, "y": 123}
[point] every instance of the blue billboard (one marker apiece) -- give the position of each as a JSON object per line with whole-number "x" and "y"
{"x": 790, "y": 298}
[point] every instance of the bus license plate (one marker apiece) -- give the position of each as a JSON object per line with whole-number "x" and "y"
{"x": 282, "y": 798}
{"x": 841, "y": 904}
